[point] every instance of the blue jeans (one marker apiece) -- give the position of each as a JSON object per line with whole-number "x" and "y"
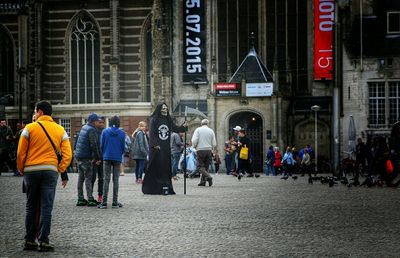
{"x": 40, "y": 191}
{"x": 175, "y": 160}
{"x": 269, "y": 168}
{"x": 111, "y": 166}
{"x": 139, "y": 168}
{"x": 228, "y": 163}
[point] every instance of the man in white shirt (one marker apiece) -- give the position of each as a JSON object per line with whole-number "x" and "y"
{"x": 204, "y": 142}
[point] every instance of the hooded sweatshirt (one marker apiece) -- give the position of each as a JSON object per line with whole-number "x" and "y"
{"x": 112, "y": 143}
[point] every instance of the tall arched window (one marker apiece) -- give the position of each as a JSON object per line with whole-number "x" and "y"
{"x": 6, "y": 64}
{"x": 84, "y": 57}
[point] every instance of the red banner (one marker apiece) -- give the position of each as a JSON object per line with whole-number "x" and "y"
{"x": 227, "y": 89}
{"x": 324, "y": 16}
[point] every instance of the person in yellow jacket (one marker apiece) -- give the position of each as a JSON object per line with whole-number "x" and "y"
{"x": 38, "y": 162}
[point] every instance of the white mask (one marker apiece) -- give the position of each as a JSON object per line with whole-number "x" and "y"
{"x": 164, "y": 110}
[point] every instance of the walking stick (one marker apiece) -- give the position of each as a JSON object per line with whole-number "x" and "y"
{"x": 184, "y": 161}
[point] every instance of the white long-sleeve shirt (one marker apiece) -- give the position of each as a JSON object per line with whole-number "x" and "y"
{"x": 204, "y": 138}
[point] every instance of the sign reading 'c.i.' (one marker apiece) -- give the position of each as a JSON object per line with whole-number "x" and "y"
{"x": 194, "y": 37}
{"x": 324, "y": 14}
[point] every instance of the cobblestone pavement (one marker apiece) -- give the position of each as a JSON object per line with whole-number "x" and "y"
{"x": 254, "y": 217}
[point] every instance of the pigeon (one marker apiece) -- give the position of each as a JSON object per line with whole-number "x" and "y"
{"x": 331, "y": 182}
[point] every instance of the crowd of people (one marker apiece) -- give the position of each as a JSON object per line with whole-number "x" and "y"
{"x": 160, "y": 153}
{"x": 8, "y": 146}
{"x": 376, "y": 160}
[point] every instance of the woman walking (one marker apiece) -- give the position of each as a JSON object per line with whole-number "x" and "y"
{"x": 140, "y": 150}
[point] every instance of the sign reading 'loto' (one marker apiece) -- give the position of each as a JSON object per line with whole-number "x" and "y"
{"x": 194, "y": 35}
{"x": 324, "y": 14}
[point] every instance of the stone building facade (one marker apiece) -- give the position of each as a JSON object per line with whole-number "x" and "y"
{"x": 123, "y": 57}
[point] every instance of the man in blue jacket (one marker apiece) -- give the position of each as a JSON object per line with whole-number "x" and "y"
{"x": 112, "y": 144}
{"x": 87, "y": 152}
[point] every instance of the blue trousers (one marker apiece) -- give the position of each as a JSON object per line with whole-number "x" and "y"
{"x": 139, "y": 168}
{"x": 40, "y": 193}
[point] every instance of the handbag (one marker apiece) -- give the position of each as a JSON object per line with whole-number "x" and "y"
{"x": 244, "y": 152}
{"x": 58, "y": 153}
{"x": 389, "y": 166}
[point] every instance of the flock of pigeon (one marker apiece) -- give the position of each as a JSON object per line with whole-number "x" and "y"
{"x": 370, "y": 181}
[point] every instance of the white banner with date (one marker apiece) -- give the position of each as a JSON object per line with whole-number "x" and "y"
{"x": 194, "y": 36}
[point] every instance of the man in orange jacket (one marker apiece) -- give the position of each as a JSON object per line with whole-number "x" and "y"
{"x": 38, "y": 162}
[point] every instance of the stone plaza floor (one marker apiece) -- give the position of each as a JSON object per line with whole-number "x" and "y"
{"x": 254, "y": 217}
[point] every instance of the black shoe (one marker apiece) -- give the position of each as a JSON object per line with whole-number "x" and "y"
{"x": 310, "y": 180}
{"x": 203, "y": 183}
{"x": 249, "y": 175}
{"x": 257, "y": 175}
{"x": 210, "y": 181}
{"x": 46, "y": 247}
{"x": 239, "y": 176}
{"x": 294, "y": 177}
{"x": 285, "y": 177}
{"x": 92, "y": 203}
{"x": 30, "y": 246}
{"x": 82, "y": 202}
{"x": 117, "y": 205}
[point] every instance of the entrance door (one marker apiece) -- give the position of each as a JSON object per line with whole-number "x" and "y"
{"x": 252, "y": 123}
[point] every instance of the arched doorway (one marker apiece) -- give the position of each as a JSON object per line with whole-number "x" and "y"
{"x": 253, "y": 124}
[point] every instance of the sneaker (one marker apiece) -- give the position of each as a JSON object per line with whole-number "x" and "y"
{"x": 92, "y": 203}
{"x": 117, "y": 205}
{"x": 102, "y": 206}
{"x": 30, "y": 246}
{"x": 122, "y": 174}
{"x": 175, "y": 177}
{"x": 82, "y": 202}
{"x": 46, "y": 247}
{"x": 100, "y": 199}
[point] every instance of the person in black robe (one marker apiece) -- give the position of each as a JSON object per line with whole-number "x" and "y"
{"x": 157, "y": 179}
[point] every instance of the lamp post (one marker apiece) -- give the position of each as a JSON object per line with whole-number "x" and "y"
{"x": 316, "y": 108}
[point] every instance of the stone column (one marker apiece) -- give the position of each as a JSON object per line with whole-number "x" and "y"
{"x": 22, "y": 53}
{"x": 38, "y": 23}
{"x": 114, "y": 59}
{"x": 159, "y": 92}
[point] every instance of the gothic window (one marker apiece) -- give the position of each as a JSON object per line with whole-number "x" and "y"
{"x": 6, "y": 65}
{"x": 84, "y": 57}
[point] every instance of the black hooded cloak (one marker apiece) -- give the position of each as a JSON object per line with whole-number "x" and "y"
{"x": 157, "y": 179}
